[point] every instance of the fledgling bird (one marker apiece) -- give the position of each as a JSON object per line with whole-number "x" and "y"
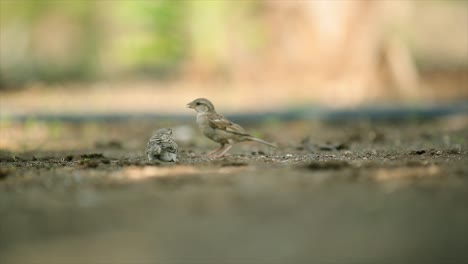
{"x": 161, "y": 146}
{"x": 219, "y": 129}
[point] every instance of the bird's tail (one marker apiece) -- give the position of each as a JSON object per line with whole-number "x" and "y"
{"x": 263, "y": 142}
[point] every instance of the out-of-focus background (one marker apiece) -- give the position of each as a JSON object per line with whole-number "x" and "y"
{"x": 124, "y": 56}
{"x": 367, "y": 102}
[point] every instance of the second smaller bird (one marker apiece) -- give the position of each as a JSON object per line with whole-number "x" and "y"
{"x": 162, "y": 146}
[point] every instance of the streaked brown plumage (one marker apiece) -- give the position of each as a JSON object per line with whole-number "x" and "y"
{"x": 219, "y": 129}
{"x": 162, "y": 146}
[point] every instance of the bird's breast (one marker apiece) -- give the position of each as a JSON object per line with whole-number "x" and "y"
{"x": 204, "y": 125}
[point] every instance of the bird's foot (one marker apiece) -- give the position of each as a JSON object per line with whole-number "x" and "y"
{"x": 221, "y": 156}
{"x": 212, "y": 153}
{"x": 223, "y": 153}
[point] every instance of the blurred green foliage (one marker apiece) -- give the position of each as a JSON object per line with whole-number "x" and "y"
{"x": 58, "y": 40}
{"x": 154, "y": 39}
{"x": 161, "y": 45}
{"x": 66, "y": 40}
{"x": 24, "y": 23}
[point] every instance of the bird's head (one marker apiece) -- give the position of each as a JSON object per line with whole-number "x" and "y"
{"x": 201, "y": 105}
{"x": 164, "y": 132}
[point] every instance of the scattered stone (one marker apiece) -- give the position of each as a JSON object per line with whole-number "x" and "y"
{"x": 92, "y": 156}
{"x": 18, "y": 158}
{"x": 455, "y": 151}
{"x": 417, "y": 152}
{"x": 89, "y": 163}
{"x": 434, "y": 152}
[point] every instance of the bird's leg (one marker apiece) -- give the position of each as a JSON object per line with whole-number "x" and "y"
{"x": 216, "y": 150}
{"x": 224, "y": 151}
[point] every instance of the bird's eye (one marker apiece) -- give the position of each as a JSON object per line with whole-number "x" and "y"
{"x": 198, "y": 103}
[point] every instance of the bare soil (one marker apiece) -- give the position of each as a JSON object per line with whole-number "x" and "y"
{"x": 334, "y": 192}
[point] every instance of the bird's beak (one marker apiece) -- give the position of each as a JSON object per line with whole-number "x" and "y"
{"x": 190, "y": 105}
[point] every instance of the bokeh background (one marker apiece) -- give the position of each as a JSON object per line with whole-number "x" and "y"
{"x": 83, "y": 56}
{"x": 366, "y": 100}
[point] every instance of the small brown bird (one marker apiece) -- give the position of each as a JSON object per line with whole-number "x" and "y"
{"x": 162, "y": 146}
{"x": 218, "y": 128}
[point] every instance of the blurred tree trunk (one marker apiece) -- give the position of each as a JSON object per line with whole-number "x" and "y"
{"x": 337, "y": 48}
{"x": 337, "y": 51}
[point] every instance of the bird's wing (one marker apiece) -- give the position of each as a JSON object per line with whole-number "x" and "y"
{"x": 219, "y": 122}
{"x": 153, "y": 146}
{"x": 169, "y": 145}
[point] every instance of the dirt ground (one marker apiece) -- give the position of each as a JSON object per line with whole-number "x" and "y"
{"x": 353, "y": 191}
